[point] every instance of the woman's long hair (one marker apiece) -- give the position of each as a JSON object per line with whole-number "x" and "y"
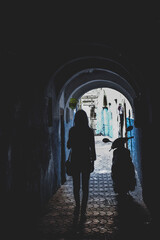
{"x": 81, "y": 119}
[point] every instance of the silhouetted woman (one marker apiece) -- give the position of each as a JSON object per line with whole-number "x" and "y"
{"x": 81, "y": 141}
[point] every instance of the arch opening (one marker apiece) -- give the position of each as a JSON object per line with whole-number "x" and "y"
{"x": 109, "y": 112}
{"x": 110, "y": 115}
{"x": 89, "y": 79}
{"x": 76, "y": 77}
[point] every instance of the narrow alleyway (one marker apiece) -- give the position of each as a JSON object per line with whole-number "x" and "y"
{"x": 107, "y": 217}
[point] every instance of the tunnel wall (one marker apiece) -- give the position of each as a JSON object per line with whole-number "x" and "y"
{"x": 43, "y": 148}
{"x": 69, "y": 121}
{"x": 29, "y": 137}
{"x": 30, "y": 148}
{"x": 134, "y": 145}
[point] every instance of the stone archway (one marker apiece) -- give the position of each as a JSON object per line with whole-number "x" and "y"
{"x": 93, "y": 78}
{"x": 88, "y": 79}
{"x": 81, "y": 74}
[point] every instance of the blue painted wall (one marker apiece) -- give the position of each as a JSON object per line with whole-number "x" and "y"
{"x": 104, "y": 123}
{"x": 134, "y": 146}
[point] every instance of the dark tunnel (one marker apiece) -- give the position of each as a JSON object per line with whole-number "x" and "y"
{"x": 37, "y": 81}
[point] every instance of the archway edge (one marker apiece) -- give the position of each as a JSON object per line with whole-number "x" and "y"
{"x": 89, "y": 79}
{"x": 70, "y": 69}
{"x": 94, "y": 68}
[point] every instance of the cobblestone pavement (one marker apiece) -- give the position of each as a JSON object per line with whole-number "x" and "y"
{"x": 107, "y": 216}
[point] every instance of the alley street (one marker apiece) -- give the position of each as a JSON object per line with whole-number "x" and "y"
{"x": 107, "y": 217}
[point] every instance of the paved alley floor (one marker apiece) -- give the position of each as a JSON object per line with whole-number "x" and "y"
{"x": 107, "y": 216}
